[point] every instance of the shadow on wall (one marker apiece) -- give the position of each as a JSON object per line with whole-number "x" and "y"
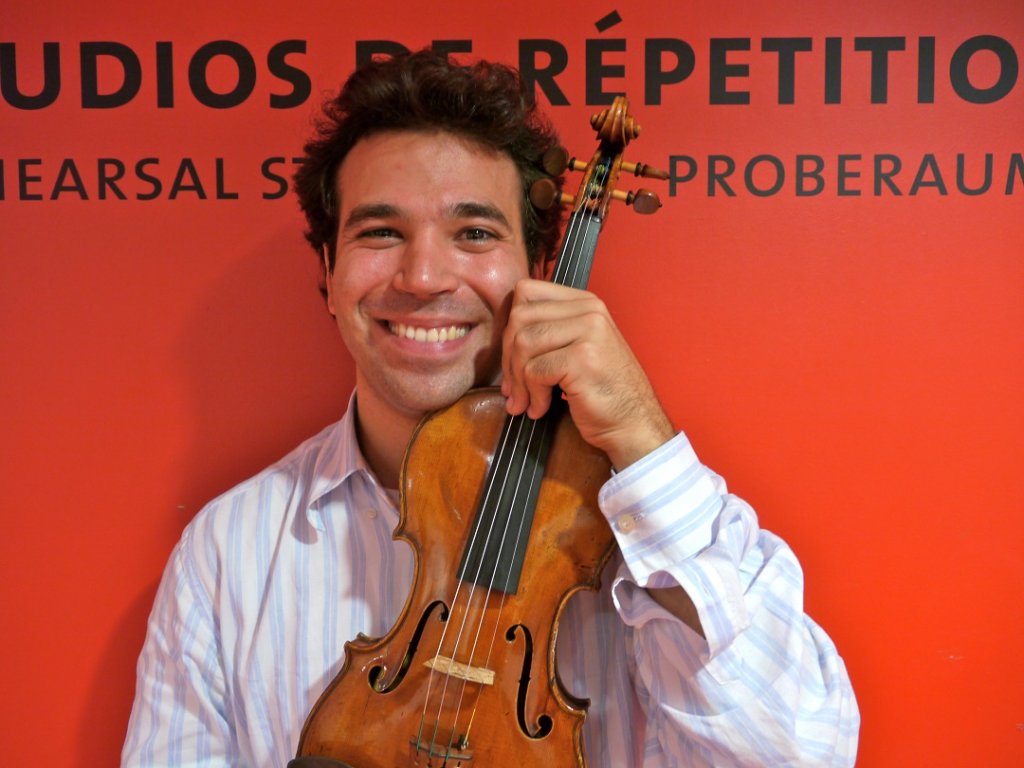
{"x": 104, "y": 717}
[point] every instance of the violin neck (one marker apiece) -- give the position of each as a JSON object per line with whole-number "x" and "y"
{"x": 576, "y": 257}
{"x": 493, "y": 557}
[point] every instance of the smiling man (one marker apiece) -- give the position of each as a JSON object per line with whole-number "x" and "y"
{"x": 695, "y": 652}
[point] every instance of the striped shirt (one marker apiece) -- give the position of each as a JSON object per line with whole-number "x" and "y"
{"x": 270, "y": 580}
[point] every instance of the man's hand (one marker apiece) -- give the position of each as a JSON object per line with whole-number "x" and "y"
{"x": 561, "y": 336}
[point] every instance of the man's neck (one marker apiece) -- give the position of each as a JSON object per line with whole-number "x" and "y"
{"x": 383, "y": 438}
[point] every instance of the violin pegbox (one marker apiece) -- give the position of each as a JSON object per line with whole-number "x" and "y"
{"x": 615, "y": 127}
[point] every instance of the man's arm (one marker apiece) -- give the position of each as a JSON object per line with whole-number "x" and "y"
{"x": 565, "y": 337}
{"x": 764, "y": 685}
{"x": 178, "y": 717}
{"x": 730, "y": 670}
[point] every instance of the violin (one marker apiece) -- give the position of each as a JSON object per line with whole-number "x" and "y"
{"x": 468, "y": 675}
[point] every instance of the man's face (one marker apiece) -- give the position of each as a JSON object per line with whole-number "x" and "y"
{"x": 430, "y": 246}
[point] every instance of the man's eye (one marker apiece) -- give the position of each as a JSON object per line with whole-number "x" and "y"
{"x": 478, "y": 234}
{"x": 378, "y": 233}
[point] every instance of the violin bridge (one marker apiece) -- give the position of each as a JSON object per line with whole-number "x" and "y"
{"x": 444, "y": 753}
{"x": 457, "y": 669}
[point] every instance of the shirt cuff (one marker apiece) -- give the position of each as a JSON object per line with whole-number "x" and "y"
{"x": 666, "y": 512}
{"x": 662, "y": 510}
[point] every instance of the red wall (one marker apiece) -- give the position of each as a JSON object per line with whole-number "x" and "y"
{"x": 849, "y": 360}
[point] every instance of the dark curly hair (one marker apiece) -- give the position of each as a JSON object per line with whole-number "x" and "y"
{"x": 484, "y": 102}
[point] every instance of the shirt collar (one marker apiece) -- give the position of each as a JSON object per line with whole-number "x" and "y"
{"x": 338, "y": 460}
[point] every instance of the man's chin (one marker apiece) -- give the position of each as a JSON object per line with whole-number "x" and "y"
{"x": 415, "y": 393}
{"x": 419, "y": 401}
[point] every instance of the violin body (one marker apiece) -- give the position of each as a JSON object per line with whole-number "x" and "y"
{"x": 468, "y": 676}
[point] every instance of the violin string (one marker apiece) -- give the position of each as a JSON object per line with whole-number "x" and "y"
{"x": 506, "y": 460}
{"x": 518, "y": 449}
{"x": 590, "y": 221}
{"x": 576, "y": 247}
{"x": 516, "y": 487}
{"x": 501, "y": 604}
{"x": 572, "y": 242}
{"x": 572, "y": 262}
{"x": 453, "y": 603}
{"x": 453, "y": 606}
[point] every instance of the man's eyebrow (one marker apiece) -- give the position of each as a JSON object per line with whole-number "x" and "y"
{"x": 463, "y": 210}
{"x": 474, "y": 210}
{"x": 363, "y": 213}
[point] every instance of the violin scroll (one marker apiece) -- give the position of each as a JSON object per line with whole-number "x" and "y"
{"x": 616, "y": 124}
{"x": 615, "y": 127}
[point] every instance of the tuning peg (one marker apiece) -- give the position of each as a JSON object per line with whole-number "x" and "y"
{"x": 642, "y": 169}
{"x": 544, "y": 193}
{"x": 563, "y": 162}
{"x": 643, "y": 200}
{"x": 555, "y": 161}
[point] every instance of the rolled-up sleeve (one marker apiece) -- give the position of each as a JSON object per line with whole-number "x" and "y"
{"x": 766, "y": 685}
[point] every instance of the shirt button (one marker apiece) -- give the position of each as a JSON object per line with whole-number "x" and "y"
{"x": 372, "y": 514}
{"x": 626, "y": 523}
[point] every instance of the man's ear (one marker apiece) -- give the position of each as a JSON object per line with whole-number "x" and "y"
{"x": 324, "y": 249}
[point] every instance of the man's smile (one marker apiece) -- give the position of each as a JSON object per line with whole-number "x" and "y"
{"x": 428, "y": 334}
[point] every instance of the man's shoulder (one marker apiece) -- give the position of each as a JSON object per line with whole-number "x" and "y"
{"x": 296, "y": 468}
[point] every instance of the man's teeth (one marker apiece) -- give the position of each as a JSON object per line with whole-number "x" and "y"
{"x": 428, "y": 334}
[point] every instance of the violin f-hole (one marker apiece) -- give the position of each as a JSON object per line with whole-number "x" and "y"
{"x": 376, "y": 673}
{"x": 544, "y": 722}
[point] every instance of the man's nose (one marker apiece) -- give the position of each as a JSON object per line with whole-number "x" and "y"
{"x": 426, "y": 267}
